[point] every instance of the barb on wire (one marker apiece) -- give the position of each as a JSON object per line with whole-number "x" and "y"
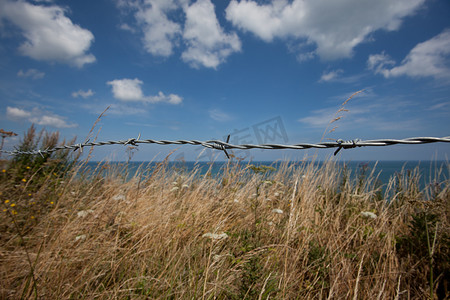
{"x": 40, "y": 153}
{"x": 133, "y": 141}
{"x": 220, "y": 146}
{"x": 354, "y": 144}
{"x": 223, "y": 146}
{"x": 78, "y": 146}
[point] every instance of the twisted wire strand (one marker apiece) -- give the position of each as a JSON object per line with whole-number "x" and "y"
{"x": 223, "y": 146}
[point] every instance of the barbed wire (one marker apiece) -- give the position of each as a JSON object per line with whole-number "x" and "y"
{"x": 223, "y": 146}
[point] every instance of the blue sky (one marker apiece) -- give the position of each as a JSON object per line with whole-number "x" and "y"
{"x": 262, "y": 71}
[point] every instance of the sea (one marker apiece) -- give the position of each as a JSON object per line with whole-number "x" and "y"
{"x": 431, "y": 172}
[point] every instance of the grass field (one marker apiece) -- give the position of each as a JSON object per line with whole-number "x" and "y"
{"x": 297, "y": 232}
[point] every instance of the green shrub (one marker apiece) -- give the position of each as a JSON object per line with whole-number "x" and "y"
{"x": 30, "y": 183}
{"x": 428, "y": 247}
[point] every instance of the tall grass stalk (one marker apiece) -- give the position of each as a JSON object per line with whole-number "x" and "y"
{"x": 318, "y": 233}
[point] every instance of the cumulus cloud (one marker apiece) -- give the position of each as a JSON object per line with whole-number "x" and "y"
{"x": 130, "y": 90}
{"x": 127, "y": 89}
{"x": 51, "y": 120}
{"x": 17, "y": 113}
{"x": 335, "y": 27}
{"x": 38, "y": 116}
{"x": 31, "y": 73}
{"x": 49, "y": 34}
{"x": 207, "y": 44}
{"x": 83, "y": 94}
{"x": 160, "y": 33}
{"x": 161, "y": 97}
{"x": 428, "y": 59}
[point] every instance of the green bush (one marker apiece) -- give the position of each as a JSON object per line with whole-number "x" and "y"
{"x": 30, "y": 183}
{"x": 428, "y": 247}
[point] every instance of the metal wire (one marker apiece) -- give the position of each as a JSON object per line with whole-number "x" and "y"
{"x": 223, "y": 146}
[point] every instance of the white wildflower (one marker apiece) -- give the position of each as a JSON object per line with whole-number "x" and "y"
{"x": 80, "y": 237}
{"x": 174, "y": 183}
{"x": 216, "y": 236}
{"x": 270, "y": 223}
{"x": 368, "y": 214}
{"x": 277, "y": 211}
{"x": 119, "y": 197}
{"x": 236, "y": 201}
{"x": 175, "y": 188}
{"x": 276, "y": 194}
{"x": 84, "y": 213}
{"x": 185, "y": 186}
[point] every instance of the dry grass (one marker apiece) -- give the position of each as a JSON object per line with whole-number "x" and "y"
{"x": 294, "y": 233}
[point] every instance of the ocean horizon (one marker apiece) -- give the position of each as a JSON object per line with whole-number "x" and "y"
{"x": 429, "y": 171}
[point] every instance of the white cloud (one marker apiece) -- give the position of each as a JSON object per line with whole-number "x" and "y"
{"x": 301, "y": 57}
{"x": 379, "y": 62}
{"x": 160, "y": 33}
{"x": 127, "y": 89}
{"x": 319, "y": 118}
{"x": 15, "y": 113}
{"x": 207, "y": 44}
{"x": 428, "y": 59}
{"x": 33, "y": 73}
{"x": 37, "y": 116}
{"x": 127, "y": 27}
{"x": 218, "y": 115}
{"x": 358, "y": 116}
{"x": 336, "y": 76}
{"x": 130, "y": 90}
{"x": 10, "y": 142}
{"x": 161, "y": 22}
{"x": 171, "y": 98}
{"x": 49, "y": 34}
{"x": 335, "y": 27}
{"x": 83, "y": 94}
{"x": 330, "y": 75}
{"x": 51, "y": 120}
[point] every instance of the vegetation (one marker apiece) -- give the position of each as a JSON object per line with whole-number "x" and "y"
{"x": 255, "y": 232}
